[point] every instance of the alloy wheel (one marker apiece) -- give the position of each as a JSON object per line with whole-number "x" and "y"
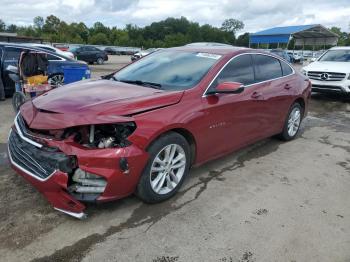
{"x": 167, "y": 169}
{"x": 294, "y": 122}
{"x": 56, "y": 80}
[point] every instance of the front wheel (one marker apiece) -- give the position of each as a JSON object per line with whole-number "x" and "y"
{"x": 166, "y": 169}
{"x": 100, "y": 61}
{"x": 18, "y": 99}
{"x": 292, "y": 123}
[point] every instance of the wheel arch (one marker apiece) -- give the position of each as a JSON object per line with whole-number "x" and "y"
{"x": 186, "y": 134}
{"x": 301, "y": 102}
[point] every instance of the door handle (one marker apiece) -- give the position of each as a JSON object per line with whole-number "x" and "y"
{"x": 287, "y": 86}
{"x": 256, "y": 95}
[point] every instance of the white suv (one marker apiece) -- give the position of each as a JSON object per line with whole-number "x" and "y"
{"x": 331, "y": 71}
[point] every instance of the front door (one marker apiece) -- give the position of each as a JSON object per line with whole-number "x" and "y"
{"x": 231, "y": 121}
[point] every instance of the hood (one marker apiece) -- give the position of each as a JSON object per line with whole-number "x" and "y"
{"x": 336, "y": 67}
{"x": 93, "y": 102}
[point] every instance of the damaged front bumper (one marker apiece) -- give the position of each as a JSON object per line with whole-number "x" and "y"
{"x": 50, "y": 166}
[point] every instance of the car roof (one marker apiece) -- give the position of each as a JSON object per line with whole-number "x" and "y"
{"x": 35, "y": 48}
{"x": 220, "y": 50}
{"x": 340, "y": 48}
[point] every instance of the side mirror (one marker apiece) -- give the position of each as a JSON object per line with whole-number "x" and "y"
{"x": 12, "y": 69}
{"x": 228, "y": 88}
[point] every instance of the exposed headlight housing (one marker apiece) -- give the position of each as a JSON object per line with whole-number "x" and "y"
{"x": 103, "y": 135}
{"x": 112, "y": 135}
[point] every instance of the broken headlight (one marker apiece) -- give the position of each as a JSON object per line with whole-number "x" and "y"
{"x": 110, "y": 135}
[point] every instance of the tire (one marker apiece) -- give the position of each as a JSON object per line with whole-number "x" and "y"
{"x": 159, "y": 180}
{"x": 18, "y": 99}
{"x": 56, "y": 80}
{"x": 99, "y": 61}
{"x": 292, "y": 124}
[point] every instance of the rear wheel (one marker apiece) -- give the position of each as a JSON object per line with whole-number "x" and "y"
{"x": 100, "y": 61}
{"x": 292, "y": 123}
{"x": 166, "y": 169}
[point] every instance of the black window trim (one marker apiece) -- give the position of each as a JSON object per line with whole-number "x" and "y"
{"x": 254, "y": 53}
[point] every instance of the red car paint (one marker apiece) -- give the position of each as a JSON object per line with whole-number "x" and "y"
{"x": 217, "y": 124}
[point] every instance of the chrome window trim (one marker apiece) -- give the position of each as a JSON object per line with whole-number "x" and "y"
{"x": 255, "y": 53}
{"x": 23, "y": 169}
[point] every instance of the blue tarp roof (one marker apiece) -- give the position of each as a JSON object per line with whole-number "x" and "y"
{"x": 277, "y": 34}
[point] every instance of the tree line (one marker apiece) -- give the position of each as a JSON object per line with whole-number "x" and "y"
{"x": 167, "y": 33}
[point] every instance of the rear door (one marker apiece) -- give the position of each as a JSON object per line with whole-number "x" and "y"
{"x": 276, "y": 87}
{"x": 83, "y": 54}
{"x": 92, "y": 53}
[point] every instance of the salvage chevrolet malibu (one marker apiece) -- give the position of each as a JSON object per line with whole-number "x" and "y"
{"x": 140, "y": 129}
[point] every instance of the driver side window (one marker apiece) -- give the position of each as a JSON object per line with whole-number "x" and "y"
{"x": 239, "y": 69}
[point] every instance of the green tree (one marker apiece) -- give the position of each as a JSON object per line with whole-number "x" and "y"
{"x": 343, "y": 36}
{"x": 99, "y": 39}
{"x": 38, "y": 23}
{"x": 243, "y": 40}
{"x": 232, "y": 25}
{"x": 11, "y": 28}
{"x": 52, "y": 24}
{"x": 2, "y": 25}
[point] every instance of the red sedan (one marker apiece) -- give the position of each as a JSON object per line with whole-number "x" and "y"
{"x": 141, "y": 129}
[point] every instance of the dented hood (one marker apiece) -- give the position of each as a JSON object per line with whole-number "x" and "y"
{"x": 94, "y": 102}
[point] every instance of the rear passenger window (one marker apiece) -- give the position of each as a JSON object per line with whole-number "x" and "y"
{"x": 240, "y": 69}
{"x": 266, "y": 68}
{"x": 286, "y": 70}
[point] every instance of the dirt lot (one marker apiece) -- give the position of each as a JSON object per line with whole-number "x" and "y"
{"x": 272, "y": 201}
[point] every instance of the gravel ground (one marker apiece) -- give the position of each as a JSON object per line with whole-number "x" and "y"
{"x": 272, "y": 201}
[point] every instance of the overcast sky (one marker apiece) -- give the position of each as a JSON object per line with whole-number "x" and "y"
{"x": 256, "y": 14}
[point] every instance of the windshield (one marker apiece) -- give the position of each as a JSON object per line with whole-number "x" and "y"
{"x": 169, "y": 69}
{"x": 336, "y": 56}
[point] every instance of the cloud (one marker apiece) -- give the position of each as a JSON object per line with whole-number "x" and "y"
{"x": 256, "y": 14}
{"x": 114, "y": 6}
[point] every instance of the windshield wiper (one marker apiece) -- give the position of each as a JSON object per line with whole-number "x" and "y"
{"x": 141, "y": 83}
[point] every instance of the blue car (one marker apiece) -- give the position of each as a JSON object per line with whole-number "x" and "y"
{"x": 10, "y": 53}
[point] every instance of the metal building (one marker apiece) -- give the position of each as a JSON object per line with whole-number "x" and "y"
{"x": 311, "y": 35}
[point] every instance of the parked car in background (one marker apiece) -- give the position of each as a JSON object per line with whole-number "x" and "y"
{"x": 316, "y": 55}
{"x": 57, "y": 62}
{"x": 330, "y": 73}
{"x": 143, "y": 53}
{"x": 281, "y": 53}
{"x": 112, "y": 51}
{"x": 141, "y": 130}
{"x": 53, "y": 49}
{"x": 198, "y": 44}
{"x": 89, "y": 54}
{"x": 62, "y": 47}
{"x": 295, "y": 57}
